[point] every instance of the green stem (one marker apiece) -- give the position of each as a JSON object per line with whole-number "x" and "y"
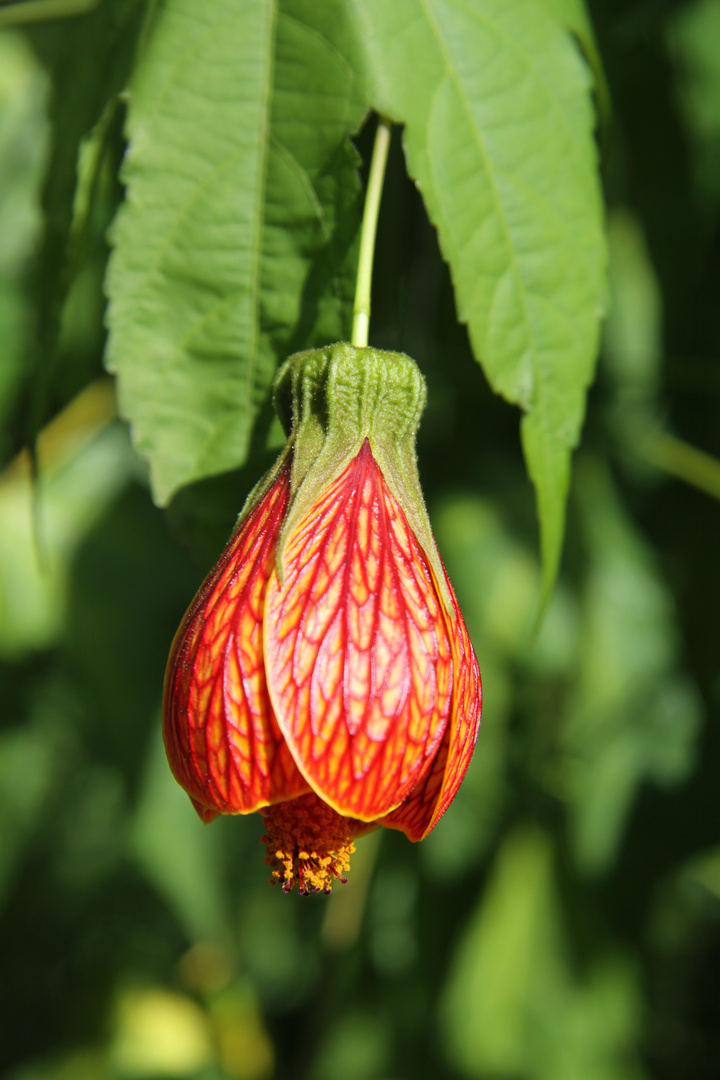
{"x": 361, "y": 308}
{"x": 679, "y": 459}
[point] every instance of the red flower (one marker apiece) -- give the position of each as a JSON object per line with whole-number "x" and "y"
{"x": 323, "y": 674}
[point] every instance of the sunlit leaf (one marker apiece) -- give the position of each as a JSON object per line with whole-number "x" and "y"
{"x": 242, "y": 204}
{"x": 498, "y": 136}
{"x": 573, "y": 15}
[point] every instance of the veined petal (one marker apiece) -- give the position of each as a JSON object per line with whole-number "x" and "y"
{"x": 429, "y": 800}
{"x": 357, "y": 651}
{"x": 222, "y": 740}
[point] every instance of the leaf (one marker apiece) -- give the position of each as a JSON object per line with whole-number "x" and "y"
{"x": 633, "y": 715}
{"x": 37, "y": 10}
{"x": 89, "y": 59}
{"x": 692, "y": 38}
{"x": 26, "y": 773}
{"x": 84, "y": 461}
{"x": 495, "y": 100}
{"x": 176, "y": 854}
{"x": 632, "y": 337}
{"x": 509, "y": 954}
{"x": 22, "y": 137}
{"x": 513, "y": 1006}
{"x": 573, "y": 15}
{"x": 242, "y": 194}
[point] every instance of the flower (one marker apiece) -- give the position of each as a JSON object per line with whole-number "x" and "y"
{"x": 323, "y": 675}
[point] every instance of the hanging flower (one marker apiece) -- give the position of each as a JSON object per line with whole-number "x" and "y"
{"x": 323, "y": 675}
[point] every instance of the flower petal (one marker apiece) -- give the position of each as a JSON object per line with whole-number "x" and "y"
{"x": 357, "y": 652}
{"x": 221, "y": 737}
{"x": 431, "y": 797}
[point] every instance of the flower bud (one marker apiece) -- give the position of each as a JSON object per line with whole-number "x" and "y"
{"x": 323, "y": 675}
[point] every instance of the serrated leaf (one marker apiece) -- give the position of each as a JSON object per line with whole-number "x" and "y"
{"x": 240, "y": 187}
{"x": 495, "y": 100}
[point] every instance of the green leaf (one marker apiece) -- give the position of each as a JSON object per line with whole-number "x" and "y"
{"x": 509, "y": 954}
{"x": 514, "y": 1007}
{"x": 495, "y": 100}
{"x": 84, "y": 462}
{"x": 692, "y": 37}
{"x": 38, "y": 10}
{"x": 22, "y": 142}
{"x": 632, "y": 337}
{"x": 26, "y": 772}
{"x": 179, "y": 856}
{"x": 89, "y": 59}
{"x": 573, "y": 15}
{"x": 633, "y": 715}
{"x": 243, "y": 200}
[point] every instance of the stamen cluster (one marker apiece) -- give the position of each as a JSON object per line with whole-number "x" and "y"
{"x": 307, "y": 844}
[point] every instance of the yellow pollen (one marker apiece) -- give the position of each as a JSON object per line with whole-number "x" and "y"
{"x": 308, "y": 844}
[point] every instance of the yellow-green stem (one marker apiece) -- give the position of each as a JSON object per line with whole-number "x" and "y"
{"x": 679, "y": 459}
{"x": 361, "y": 308}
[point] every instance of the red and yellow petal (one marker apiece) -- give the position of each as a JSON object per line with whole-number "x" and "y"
{"x": 357, "y": 650}
{"x": 426, "y": 804}
{"x": 221, "y": 737}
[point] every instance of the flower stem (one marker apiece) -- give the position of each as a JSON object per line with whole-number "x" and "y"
{"x": 361, "y": 307}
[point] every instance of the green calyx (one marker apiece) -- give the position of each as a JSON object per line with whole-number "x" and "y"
{"x": 330, "y": 400}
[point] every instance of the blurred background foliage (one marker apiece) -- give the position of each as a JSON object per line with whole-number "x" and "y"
{"x": 563, "y": 920}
